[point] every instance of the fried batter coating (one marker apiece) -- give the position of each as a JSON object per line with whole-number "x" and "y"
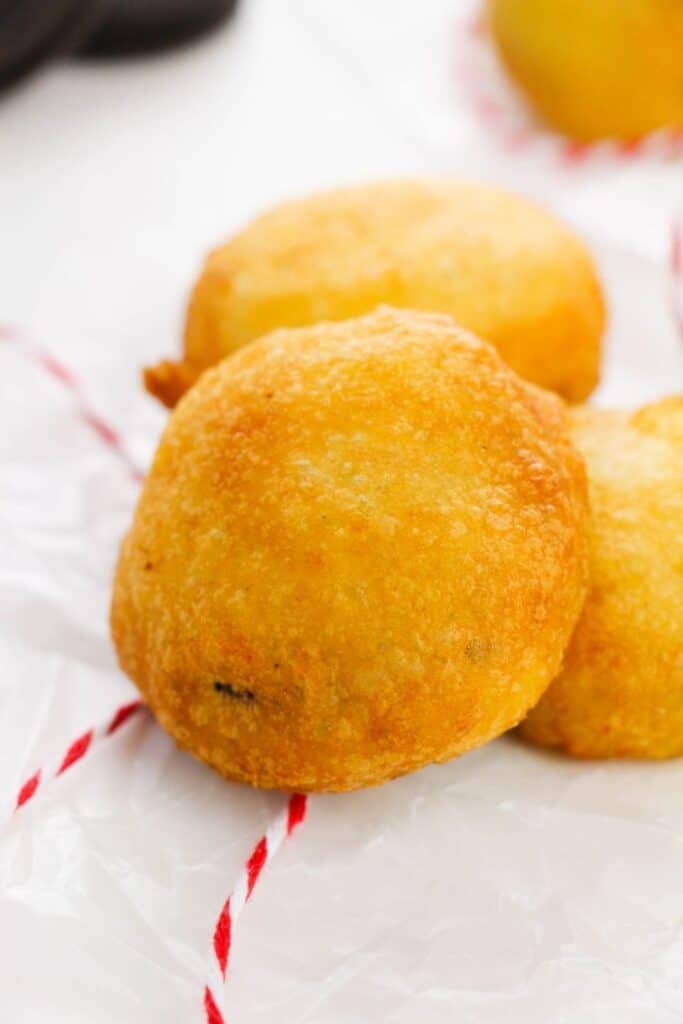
{"x": 361, "y": 548}
{"x": 498, "y": 264}
{"x": 596, "y": 69}
{"x": 620, "y": 693}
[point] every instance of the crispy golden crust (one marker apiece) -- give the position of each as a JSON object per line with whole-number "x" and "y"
{"x": 498, "y": 264}
{"x": 361, "y": 548}
{"x": 620, "y": 693}
{"x": 168, "y": 381}
{"x": 595, "y": 70}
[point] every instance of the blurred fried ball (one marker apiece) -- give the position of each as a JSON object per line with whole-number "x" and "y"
{"x": 361, "y": 548}
{"x": 620, "y": 693}
{"x": 500, "y": 265}
{"x": 596, "y": 69}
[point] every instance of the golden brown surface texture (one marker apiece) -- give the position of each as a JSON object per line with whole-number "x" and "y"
{"x": 621, "y": 690}
{"x": 498, "y": 264}
{"x": 361, "y": 548}
{"x": 596, "y": 68}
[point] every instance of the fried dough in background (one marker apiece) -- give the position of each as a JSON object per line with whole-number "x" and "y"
{"x": 595, "y": 69}
{"x": 500, "y": 265}
{"x": 620, "y": 693}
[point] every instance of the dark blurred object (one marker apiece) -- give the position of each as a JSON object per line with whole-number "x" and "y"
{"x": 138, "y": 26}
{"x": 33, "y": 32}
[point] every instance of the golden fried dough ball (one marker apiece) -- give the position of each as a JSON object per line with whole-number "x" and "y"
{"x": 596, "y": 68}
{"x": 620, "y": 693}
{"x": 361, "y": 548}
{"x": 498, "y": 264}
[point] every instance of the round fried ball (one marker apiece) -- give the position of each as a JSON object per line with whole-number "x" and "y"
{"x": 361, "y": 548}
{"x": 620, "y": 693}
{"x": 500, "y": 265}
{"x": 596, "y": 69}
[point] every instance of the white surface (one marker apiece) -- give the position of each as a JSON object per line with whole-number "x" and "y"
{"x": 507, "y": 886}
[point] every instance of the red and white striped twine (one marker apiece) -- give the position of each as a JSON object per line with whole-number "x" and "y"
{"x": 76, "y": 751}
{"x": 264, "y": 851}
{"x": 93, "y": 737}
{"x": 493, "y": 101}
{"x": 96, "y": 423}
{"x": 282, "y": 826}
